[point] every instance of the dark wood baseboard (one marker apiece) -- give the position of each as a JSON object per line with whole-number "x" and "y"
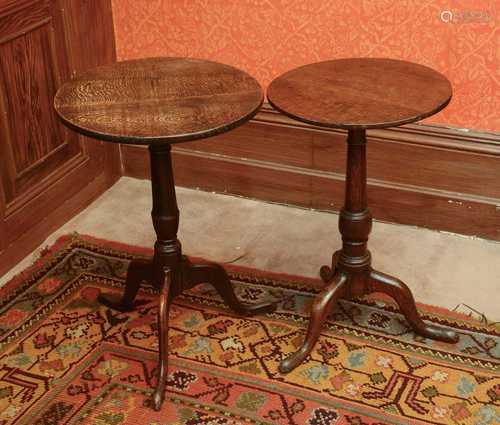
{"x": 28, "y": 241}
{"x": 420, "y": 175}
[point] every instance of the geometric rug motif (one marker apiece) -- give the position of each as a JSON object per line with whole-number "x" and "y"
{"x": 65, "y": 359}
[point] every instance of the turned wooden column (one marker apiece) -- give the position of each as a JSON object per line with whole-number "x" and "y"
{"x": 165, "y": 214}
{"x": 355, "y": 220}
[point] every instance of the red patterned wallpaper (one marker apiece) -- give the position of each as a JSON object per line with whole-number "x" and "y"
{"x": 460, "y": 38}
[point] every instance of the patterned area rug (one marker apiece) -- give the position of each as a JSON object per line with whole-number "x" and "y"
{"x": 65, "y": 359}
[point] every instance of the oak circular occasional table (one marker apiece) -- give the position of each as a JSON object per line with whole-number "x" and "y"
{"x": 158, "y": 102}
{"x": 358, "y": 94}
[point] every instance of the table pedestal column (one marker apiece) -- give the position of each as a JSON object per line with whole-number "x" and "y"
{"x": 169, "y": 271}
{"x": 350, "y": 274}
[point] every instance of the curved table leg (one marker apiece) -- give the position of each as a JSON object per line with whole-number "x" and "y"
{"x": 321, "y": 307}
{"x": 138, "y": 271}
{"x": 217, "y": 276}
{"x": 397, "y": 289}
{"x": 159, "y": 394}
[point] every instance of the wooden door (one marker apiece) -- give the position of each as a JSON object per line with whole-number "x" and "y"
{"x": 47, "y": 172}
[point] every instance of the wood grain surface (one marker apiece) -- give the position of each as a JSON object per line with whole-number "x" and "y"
{"x": 158, "y": 100}
{"x": 360, "y": 93}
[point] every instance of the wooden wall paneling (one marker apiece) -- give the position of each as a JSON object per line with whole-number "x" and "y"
{"x": 92, "y": 48}
{"x": 237, "y": 176}
{"x": 47, "y": 172}
{"x": 271, "y": 143}
{"x": 89, "y": 29}
{"x": 427, "y": 165}
{"x": 253, "y": 179}
{"x": 419, "y": 175}
{"x": 402, "y": 155}
{"x": 31, "y": 68}
{"x": 416, "y": 207}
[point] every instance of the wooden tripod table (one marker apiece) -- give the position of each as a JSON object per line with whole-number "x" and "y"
{"x": 358, "y": 94}
{"x": 157, "y": 102}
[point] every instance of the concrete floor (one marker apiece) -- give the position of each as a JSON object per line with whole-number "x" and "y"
{"x": 442, "y": 269}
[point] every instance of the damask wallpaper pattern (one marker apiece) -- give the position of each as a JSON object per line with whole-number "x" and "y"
{"x": 460, "y": 38}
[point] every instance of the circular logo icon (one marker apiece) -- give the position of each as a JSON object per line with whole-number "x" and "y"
{"x": 446, "y": 16}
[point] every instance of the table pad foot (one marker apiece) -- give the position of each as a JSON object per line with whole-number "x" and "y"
{"x": 322, "y": 306}
{"x": 399, "y": 291}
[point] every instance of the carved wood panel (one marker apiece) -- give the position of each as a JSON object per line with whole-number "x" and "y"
{"x": 34, "y": 62}
{"x": 47, "y": 172}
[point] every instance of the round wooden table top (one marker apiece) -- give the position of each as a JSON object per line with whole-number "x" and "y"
{"x": 158, "y": 100}
{"x": 360, "y": 93}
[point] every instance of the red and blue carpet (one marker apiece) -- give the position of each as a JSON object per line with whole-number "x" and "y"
{"x": 65, "y": 359}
